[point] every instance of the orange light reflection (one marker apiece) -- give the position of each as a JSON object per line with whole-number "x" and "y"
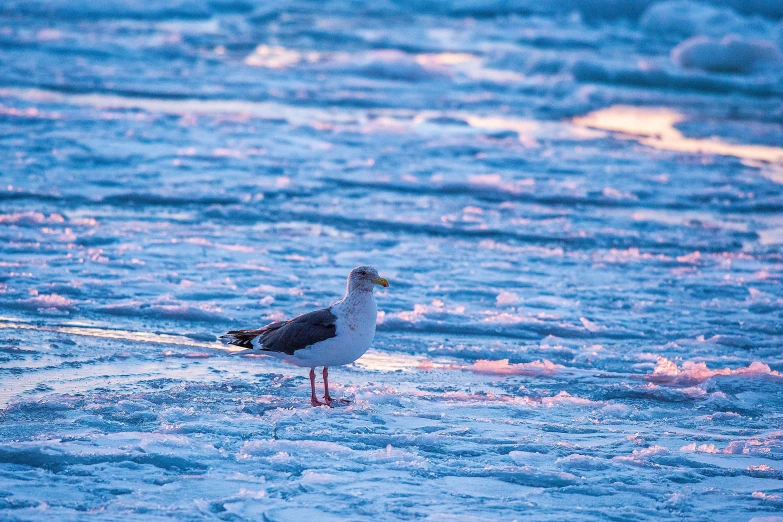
{"x": 655, "y": 127}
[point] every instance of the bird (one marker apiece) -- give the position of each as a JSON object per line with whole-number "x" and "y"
{"x": 333, "y": 336}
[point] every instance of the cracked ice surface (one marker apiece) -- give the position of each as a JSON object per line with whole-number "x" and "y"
{"x": 577, "y": 205}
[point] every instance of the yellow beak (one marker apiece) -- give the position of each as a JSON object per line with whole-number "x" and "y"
{"x": 381, "y": 281}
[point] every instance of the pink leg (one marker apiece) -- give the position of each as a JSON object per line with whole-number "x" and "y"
{"x": 313, "y": 399}
{"x": 327, "y": 397}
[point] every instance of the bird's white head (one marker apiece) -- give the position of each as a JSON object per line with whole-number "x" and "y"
{"x": 364, "y": 278}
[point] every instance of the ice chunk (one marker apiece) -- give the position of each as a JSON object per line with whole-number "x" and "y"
{"x": 391, "y": 64}
{"x": 667, "y": 372}
{"x": 566, "y": 398}
{"x": 502, "y": 367}
{"x": 506, "y": 298}
{"x": 48, "y": 302}
{"x": 732, "y": 54}
{"x": 686, "y": 18}
{"x": 576, "y": 463}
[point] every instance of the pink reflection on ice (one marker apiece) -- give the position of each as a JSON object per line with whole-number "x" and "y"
{"x": 655, "y": 127}
{"x": 502, "y": 367}
{"x": 667, "y": 372}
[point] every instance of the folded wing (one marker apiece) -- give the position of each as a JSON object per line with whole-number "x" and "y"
{"x": 287, "y": 336}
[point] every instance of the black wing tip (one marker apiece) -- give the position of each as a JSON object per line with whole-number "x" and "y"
{"x": 238, "y": 338}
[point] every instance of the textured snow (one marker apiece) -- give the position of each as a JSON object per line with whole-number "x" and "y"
{"x": 577, "y": 205}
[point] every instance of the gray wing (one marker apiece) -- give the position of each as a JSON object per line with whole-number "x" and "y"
{"x": 300, "y": 332}
{"x": 288, "y": 336}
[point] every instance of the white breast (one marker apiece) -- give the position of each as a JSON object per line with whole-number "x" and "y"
{"x": 355, "y": 330}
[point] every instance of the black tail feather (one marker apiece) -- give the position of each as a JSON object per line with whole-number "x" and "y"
{"x": 243, "y": 338}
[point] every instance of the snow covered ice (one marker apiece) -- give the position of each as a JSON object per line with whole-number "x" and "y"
{"x": 577, "y": 204}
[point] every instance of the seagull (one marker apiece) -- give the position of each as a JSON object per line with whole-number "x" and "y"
{"x": 333, "y": 336}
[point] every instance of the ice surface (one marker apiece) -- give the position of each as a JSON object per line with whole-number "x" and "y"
{"x": 577, "y": 204}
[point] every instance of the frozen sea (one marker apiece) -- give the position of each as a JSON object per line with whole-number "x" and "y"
{"x": 578, "y": 204}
